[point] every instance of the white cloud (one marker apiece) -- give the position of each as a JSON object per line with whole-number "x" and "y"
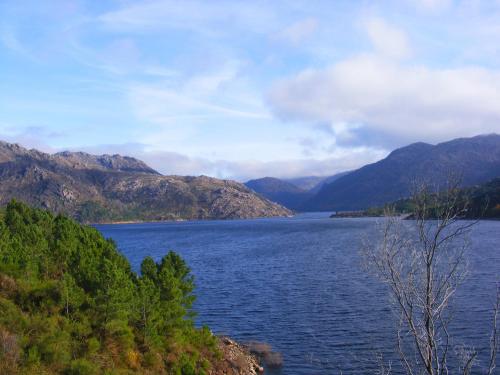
{"x": 166, "y": 162}
{"x": 208, "y": 18}
{"x": 432, "y": 5}
{"x": 220, "y": 93}
{"x": 9, "y": 39}
{"x": 29, "y": 136}
{"x": 414, "y": 102}
{"x": 387, "y": 40}
{"x": 210, "y": 83}
{"x": 168, "y": 106}
{"x": 299, "y": 31}
{"x": 378, "y": 92}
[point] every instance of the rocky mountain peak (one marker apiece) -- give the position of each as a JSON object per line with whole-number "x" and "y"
{"x": 99, "y": 188}
{"x": 83, "y": 160}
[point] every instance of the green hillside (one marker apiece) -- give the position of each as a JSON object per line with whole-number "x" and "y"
{"x": 70, "y": 304}
{"x": 480, "y": 202}
{"x": 484, "y": 200}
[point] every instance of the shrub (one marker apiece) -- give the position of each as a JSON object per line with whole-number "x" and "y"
{"x": 69, "y": 302}
{"x": 9, "y": 352}
{"x": 82, "y": 367}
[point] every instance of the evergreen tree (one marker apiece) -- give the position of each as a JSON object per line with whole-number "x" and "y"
{"x": 70, "y": 304}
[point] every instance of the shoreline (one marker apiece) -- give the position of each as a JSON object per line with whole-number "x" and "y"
{"x": 236, "y": 359}
{"x": 182, "y": 220}
{"x": 402, "y": 216}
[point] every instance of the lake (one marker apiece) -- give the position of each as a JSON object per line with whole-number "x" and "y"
{"x": 297, "y": 284}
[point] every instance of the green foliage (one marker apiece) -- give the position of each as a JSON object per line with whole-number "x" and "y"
{"x": 480, "y": 202}
{"x": 70, "y": 304}
{"x": 92, "y": 212}
{"x": 81, "y": 367}
{"x": 485, "y": 200}
{"x": 97, "y": 212}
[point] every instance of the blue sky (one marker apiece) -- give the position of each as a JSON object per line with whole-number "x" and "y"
{"x": 244, "y": 89}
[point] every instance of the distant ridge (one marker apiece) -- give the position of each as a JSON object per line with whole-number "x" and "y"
{"x": 476, "y": 159}
{"x": 82, "y": 160}
{"x": 306, "y": 183}
{"x": 291, "y": 192}
{"x": 280, "y": 191}
{"x": 328, "y": 180}
{"x": 102, "y": 188}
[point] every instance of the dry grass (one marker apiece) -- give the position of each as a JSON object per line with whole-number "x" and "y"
{"x": 9, "y": 352}
{"x": 265, "y": 353}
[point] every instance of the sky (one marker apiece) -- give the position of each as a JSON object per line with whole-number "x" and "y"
{"x": 247, "y": 89}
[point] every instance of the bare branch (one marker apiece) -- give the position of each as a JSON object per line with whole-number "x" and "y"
{"x": 494, "y": 335}
{"x": 423, "y": 262}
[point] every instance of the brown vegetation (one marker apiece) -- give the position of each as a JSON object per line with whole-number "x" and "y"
{"x": 235, "y": 359}
{"x": 264, "y": 352}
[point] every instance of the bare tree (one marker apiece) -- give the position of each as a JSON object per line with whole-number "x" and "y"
{"x": 423, "y": 262}
{"x": 494, "y": 335}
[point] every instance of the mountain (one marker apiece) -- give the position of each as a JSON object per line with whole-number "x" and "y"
{"x": 327, "y": 180}
{"x": 313, "y": 184}
{"x": 104, "y": 188}
{"x": 475, "y": 159}
{"x": 280, "y": 191}
{"x": 306, "y": 183}
{"x": 291, "y": 192}
{"x": 82, "y": 160}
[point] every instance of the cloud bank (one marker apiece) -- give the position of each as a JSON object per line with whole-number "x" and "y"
{"x": 382, "y": 92}
{"x": 173, "y": 163}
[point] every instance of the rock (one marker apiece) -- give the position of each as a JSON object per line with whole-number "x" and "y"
{"x": 265, "y": 353}
{"x": 110, "y": 188}
{"x": 236, "y": 360}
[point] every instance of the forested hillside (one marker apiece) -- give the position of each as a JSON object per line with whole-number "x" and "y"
{"x": 484, "y": 200}
{"x": 478, "y": 202}
{"x": 70, "y": 304}
{"x": 279, "y": 191}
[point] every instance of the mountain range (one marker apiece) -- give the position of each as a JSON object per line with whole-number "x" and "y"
{"x": 102, "y": 188}
{"x": 475, "y": 160}
{"x": 280, "y": 191}
{"x": 292, "y": 192}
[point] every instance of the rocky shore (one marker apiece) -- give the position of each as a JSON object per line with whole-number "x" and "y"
{"x": 236, "y": 360}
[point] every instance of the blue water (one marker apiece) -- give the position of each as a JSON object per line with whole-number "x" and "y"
{"x": 297, "y": 284}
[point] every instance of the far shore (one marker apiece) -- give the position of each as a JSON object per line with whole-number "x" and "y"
{"x": 136, "y": 221}
{"x": 181, "y": 220}
{"x": 403, "y": 216}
